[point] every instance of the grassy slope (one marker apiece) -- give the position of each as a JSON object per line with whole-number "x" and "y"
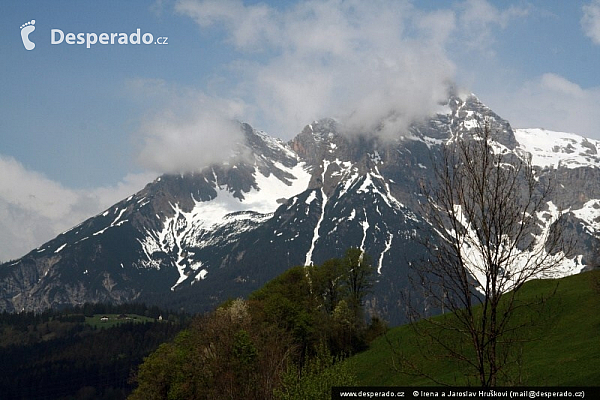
{"x": 564, "y": 350}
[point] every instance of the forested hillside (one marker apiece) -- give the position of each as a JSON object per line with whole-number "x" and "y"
{"x": 87, "y": 352}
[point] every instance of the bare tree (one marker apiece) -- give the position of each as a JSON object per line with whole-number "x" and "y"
{"x": 486, "y": 204}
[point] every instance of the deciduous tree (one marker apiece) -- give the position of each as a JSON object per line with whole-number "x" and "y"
{"x": 486, "y": 204}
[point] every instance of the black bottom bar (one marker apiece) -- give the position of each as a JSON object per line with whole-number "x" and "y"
{"x": 501, "y": 393}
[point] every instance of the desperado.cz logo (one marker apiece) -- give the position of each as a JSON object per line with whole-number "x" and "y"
{"x": 57, "y": 36}
{"x": 90, "y": 38}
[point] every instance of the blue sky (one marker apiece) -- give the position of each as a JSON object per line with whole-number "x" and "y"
{"x": 81, "y": 128}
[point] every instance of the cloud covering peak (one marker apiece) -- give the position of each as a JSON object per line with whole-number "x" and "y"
{"x": 368, "y": 64}
{"x": 188, "y": 130}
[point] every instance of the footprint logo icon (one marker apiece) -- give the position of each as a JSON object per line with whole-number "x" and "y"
{"x": 26, "y": 29}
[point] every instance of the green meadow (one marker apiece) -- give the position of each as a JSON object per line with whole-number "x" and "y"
{"x": 559, "y": 346}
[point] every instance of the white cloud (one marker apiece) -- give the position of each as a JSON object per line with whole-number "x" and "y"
{"x": 34, "y": 209}
{"x": 361, "y": 62}
{"x": 438, "y": 25}
{"x": 561, "y": 86}
{"x": 477, "y": 20}
{"x": 590, "y": 22}
{"x": 369, "y": 64}
{"x": 250, "y": 26}
{"x": 185, "y": 130}
{"x": 553, "y": 102}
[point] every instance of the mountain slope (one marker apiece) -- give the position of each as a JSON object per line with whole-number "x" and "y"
{"x": 194, "y": 240}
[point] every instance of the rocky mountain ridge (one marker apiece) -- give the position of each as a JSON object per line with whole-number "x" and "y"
{"x": 191, "y": 241}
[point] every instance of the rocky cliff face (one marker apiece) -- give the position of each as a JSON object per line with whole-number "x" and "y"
{"x": 192, "y": 241}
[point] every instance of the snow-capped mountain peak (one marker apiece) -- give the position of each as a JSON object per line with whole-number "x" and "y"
{"x": 196, "y": 239}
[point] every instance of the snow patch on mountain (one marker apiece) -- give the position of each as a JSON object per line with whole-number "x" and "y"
{"x": 534, "y": 263}
{"x": 365, "y": 226}
{"x": 388, "y": 246}
{"x": 309, "y": 260}
{"x": 590, "y": 212}
{"x": 188, "y": 229}
{"x": 551, "y": 149}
